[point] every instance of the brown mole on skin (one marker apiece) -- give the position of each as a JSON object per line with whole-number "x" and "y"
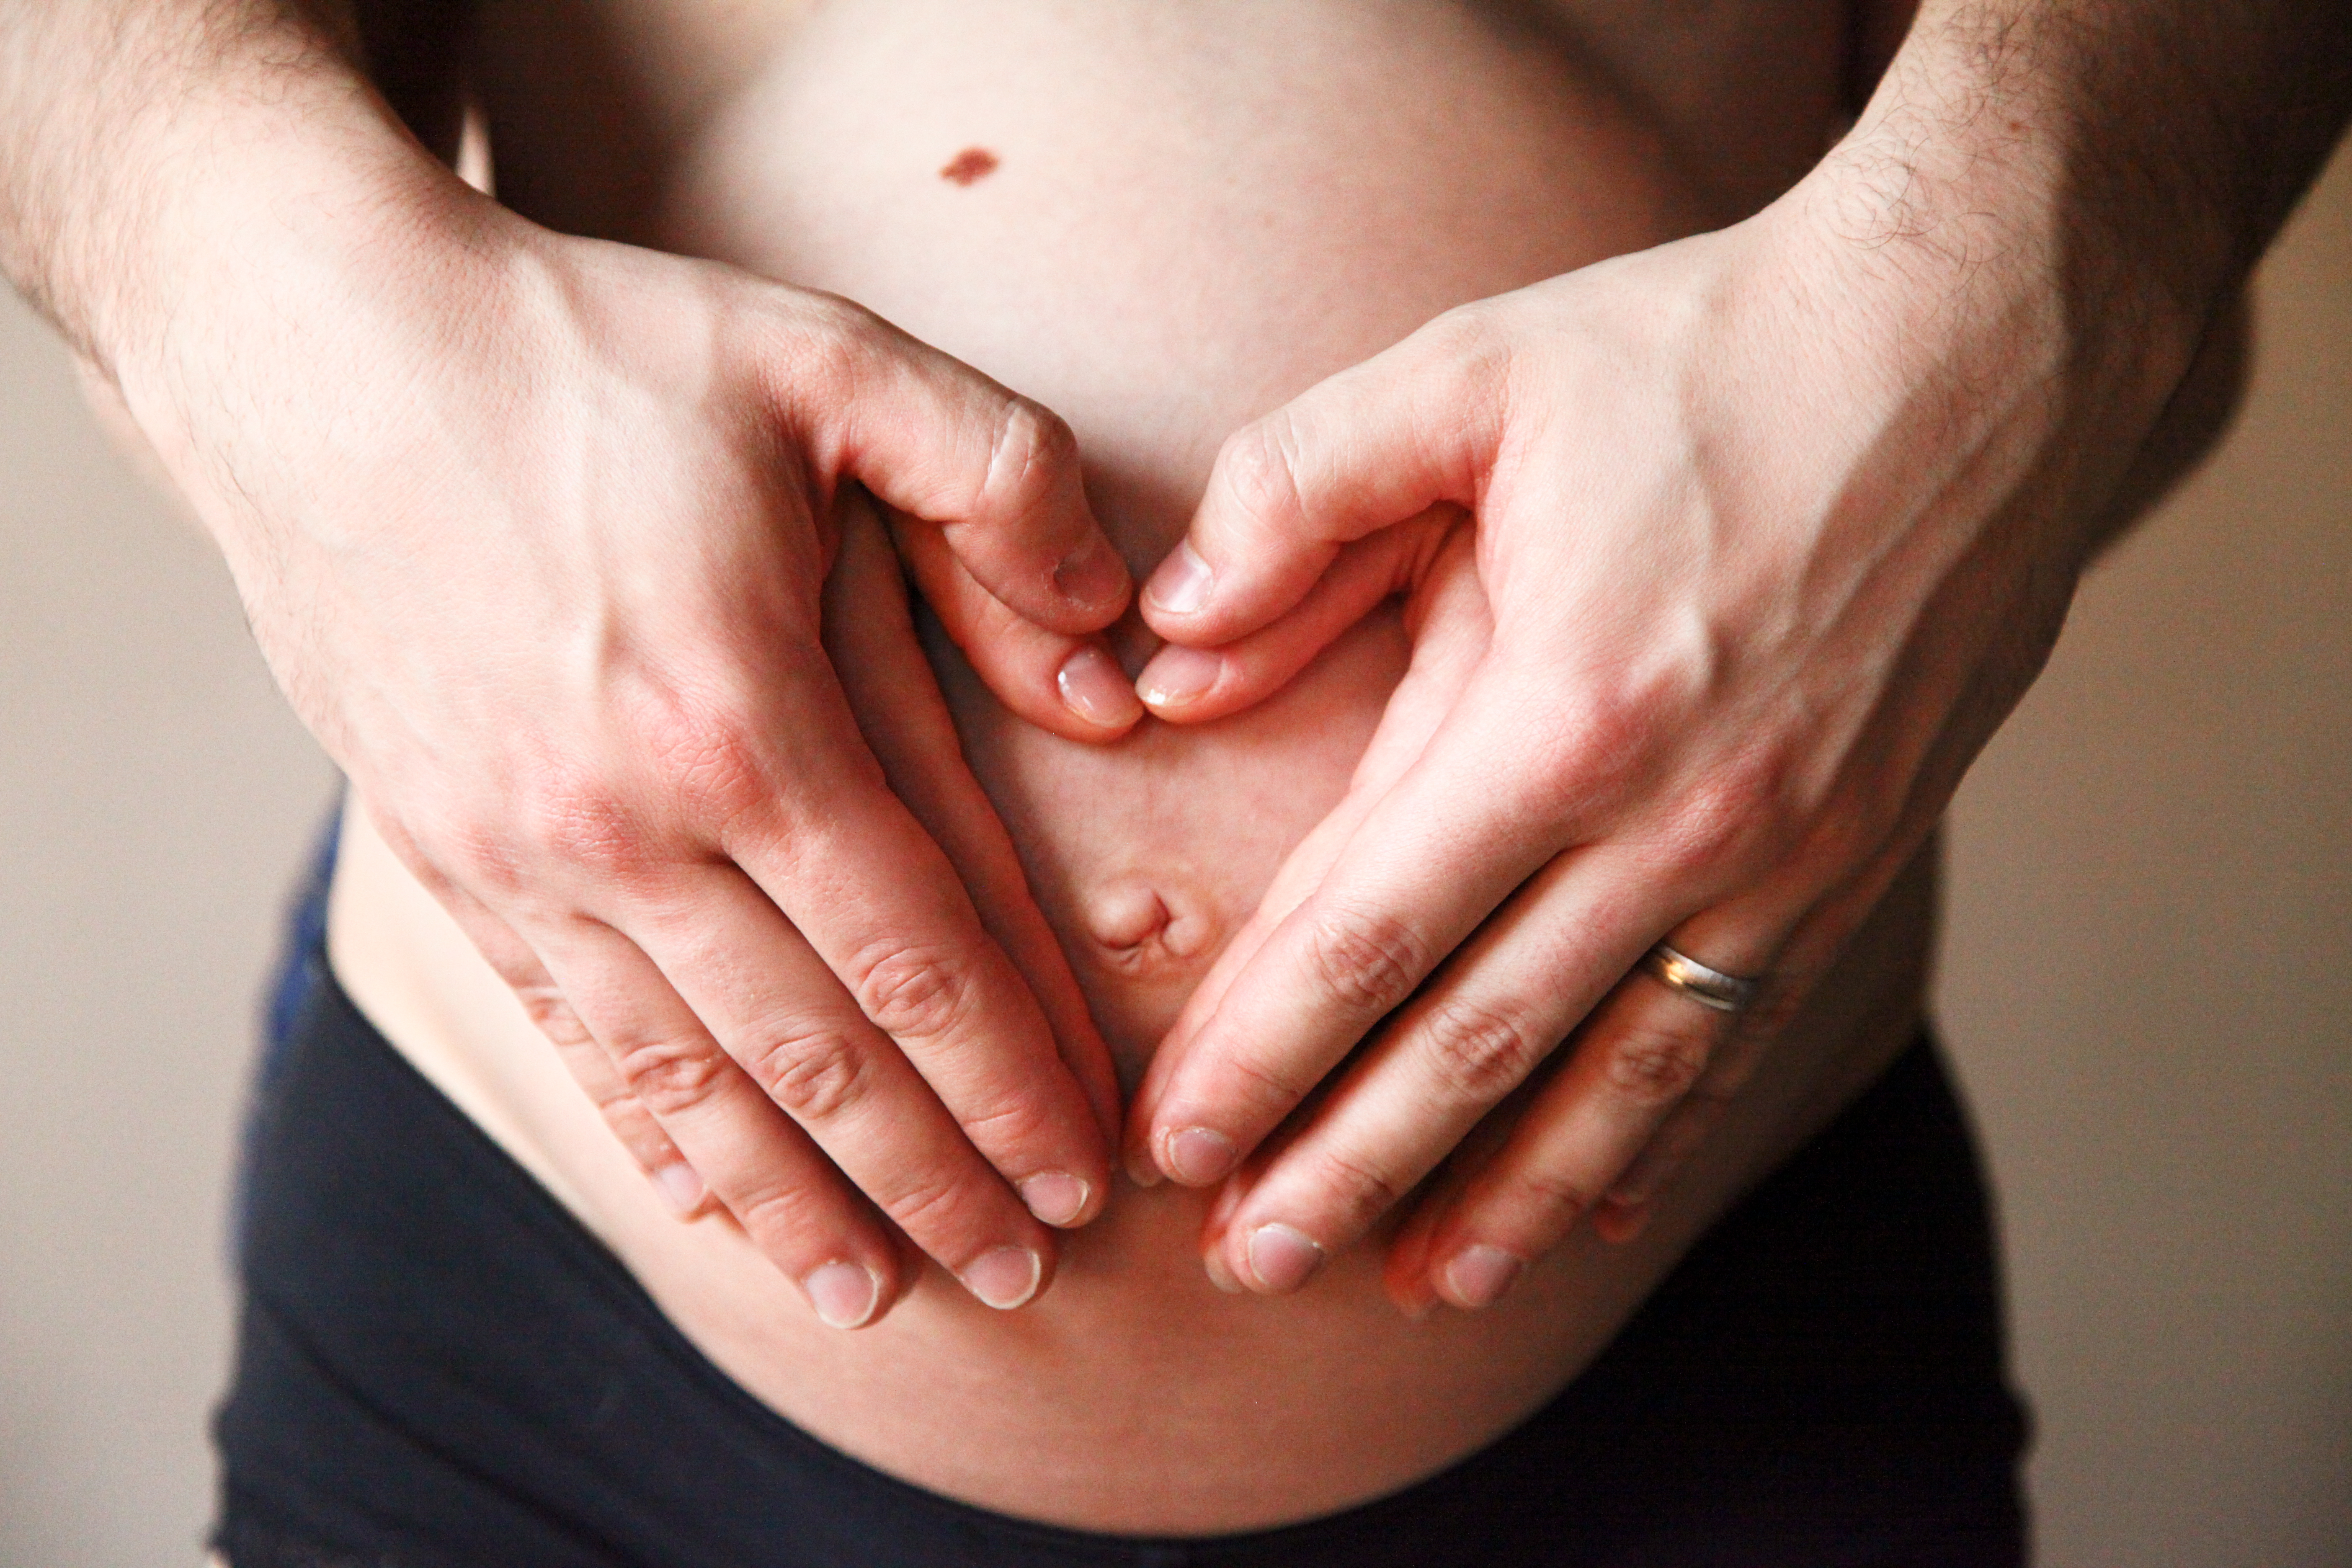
{"x": 972, "y": 164}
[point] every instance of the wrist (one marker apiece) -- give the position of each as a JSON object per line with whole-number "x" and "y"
{"x": 274, "y": 175}
{"x": 308, "y": 251}
{"x": 2008, "y": 168}
{"x": 1947, "y": 243}
{"x": 295, "y": 322}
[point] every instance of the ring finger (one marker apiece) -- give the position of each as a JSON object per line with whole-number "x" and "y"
{"x": 1473, "y": 1037}
{"x": 1635, "y": 1061}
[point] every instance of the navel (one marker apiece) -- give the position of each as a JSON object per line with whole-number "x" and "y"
{"x": 1139, "y": 926}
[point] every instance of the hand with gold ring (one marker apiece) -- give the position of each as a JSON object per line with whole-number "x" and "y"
{"x": 1715, "y": 589}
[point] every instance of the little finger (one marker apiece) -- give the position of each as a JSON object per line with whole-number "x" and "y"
{"x": 589, "y": 1066}
{"x": 789, "y": 1198}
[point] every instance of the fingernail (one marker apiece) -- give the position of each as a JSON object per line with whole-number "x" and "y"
{"x": 1142, "y": 1169}
{"x": 1480, "y": 1274}
{"x": 1618, "y": 1223}
{"x": 681, "y": 1187}
{"x": 1197, "y": 1156}
{"x": 844, "y": 1294}
{"x": 1178, "y": 675}
{"x": 1282, "y": 1258}
{"x": 1182, "y": 583}
{"x": 1094, "y": 689}
{"x": 1004, "y": 1277}
{"x": 1213, "y": 1260}
{"x": 1055, "y": 1197}
{"x": 1091, "y": 573}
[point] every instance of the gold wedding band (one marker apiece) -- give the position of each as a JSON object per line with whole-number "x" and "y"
{"x": 1708, "y": 987}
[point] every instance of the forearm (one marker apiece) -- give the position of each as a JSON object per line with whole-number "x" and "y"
{"x": 2151, "y": 148}
{"x": 145, "y": 147}
{"x": 2046, "y": 208}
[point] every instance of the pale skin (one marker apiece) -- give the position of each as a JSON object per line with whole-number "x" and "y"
{"x": 1759, "y": 779}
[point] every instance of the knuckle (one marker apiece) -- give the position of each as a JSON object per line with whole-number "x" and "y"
{"x": 550, "y": 1013}
{"x": 1784, "y": 998}
{"x": 671, "y": 1075}
{"x": 1034, "y": 448}
{"x": 1653, "y": 1066}
{"x": 578, "y": 817}
{"x": 1604, "y": 739}
{"x": 1615, "y": 727}
{"x": 1365, "y": 960}
{"x": 1264, "y": 1086}
{"x": 1474, "y": 350}
{"x": 625, "y": 1111}
{"x": 708, "y": 759}
{"x": 1830, "y": 846}
{"x": 1742, "y": 813}
{"x": 635, "y": 1133}
{"x": 913, "y": 993}
{"x": 1259, "y": 466}
{"x": 790, "y": 1217}
{"x": 930, "y": 1209}
{"x": 1358, "y": 1192}
{"x": 1855, "y": 829}
{"x": 816, "y": 1075}
{"x": 1715, "y": 818}
{"x": 1549, "y": 1196}
{"x": 465, "y": 851}
{"x": 1019, "y": 1121}
{"x": 837, "y": 344}
{"x": 1479, "y": 1052}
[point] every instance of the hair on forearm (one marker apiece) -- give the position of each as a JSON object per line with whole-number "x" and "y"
{"x": 2173, "y": 136}
{"x": 87, "y": 94}
{"x": 111, "y": 108}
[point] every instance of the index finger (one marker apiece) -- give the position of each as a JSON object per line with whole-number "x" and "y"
{"x": 1464, "y": 827}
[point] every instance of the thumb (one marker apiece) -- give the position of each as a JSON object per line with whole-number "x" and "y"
{"x": 1416, "y": 424}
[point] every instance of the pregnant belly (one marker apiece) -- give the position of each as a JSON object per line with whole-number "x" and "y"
{"x": 1160, "y": 221}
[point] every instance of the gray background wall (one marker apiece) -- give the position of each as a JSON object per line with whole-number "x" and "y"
{"x": 2145, "y": 983}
